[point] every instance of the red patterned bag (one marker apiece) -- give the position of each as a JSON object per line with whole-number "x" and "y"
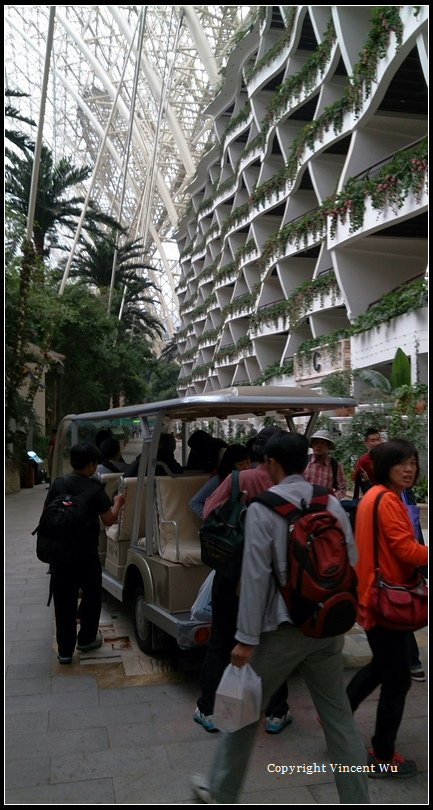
{"x": 397, "y": 607}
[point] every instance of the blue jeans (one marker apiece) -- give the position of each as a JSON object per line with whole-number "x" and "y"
{"x": 320, "y": 663}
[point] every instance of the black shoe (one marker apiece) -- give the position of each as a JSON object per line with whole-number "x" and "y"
{"x": 64, "y": 659}
{"x": 417, "y": 674}
{"x": 93, "y": 645}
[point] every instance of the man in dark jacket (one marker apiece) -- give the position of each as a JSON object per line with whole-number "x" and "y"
{"x": 85, "y": 573}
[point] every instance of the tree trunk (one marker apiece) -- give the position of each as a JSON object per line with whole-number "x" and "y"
{"x": 39, "y": 240}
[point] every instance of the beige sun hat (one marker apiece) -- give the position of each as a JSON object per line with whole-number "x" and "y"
{"x": 323, "y": 434}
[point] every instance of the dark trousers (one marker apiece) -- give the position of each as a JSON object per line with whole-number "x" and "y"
{"x": 221, "y": 642}
{"x": 65, "y": 584}
{"x": 414, "y": 652}
{"x": 389, "y": 668}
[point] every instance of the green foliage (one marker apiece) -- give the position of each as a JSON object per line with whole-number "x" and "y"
{"x": 276, "y": 49}
{"x": 297, "y": 305}
{"x": 374, "y": 379}
{"x": 302, "y": 82}
{"x": 389, "y": 186}
{"x": 406, "y": 298}
{"x": 57, "y": 202}
{"x": 350, "y": 445}
{"x": 338, "y": 384}
{"x": 421, "y": 490}
{"x": 15, "y": 136}
{"x": 408, "y": 426}
{"x": 160, "y": 380}
{"x": 276, "y": 370}
{"x": 98, "y": 367}
{"x": 398, "y": 388}
{"x": 102, "y": 365}
{"x": 40, "y": 445}
{"x": 400, "y": 371}
{"x": 269, "y": 421}
{"x": 384, "y": 20}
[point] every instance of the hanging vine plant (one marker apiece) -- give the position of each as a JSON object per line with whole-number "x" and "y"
{"x": 277, "y": 48}
{"x": 298, "y": 304}
{"x": 300, "y": 231}
{"x": 303, "y": 81}
{"x": 233, "y": 349}
{"x": 274, "y": 371}
{"x": 242, "y": 302}
{"x": 208, "y": 272}
{"x": 209, "y": 335}
{"x": 202, "y": 369}
{"x": 241, "y": 116}
{"x": 405, "y": 173}
{"x": 406, "y": 298}
{"x": 225, "y": 272}
{"x": 257, "y": 143}
{"x": 249, "y": 247}
{"x": 384, "y": 21}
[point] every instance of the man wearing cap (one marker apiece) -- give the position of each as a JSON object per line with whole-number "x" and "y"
{"x": 225, "y": 601}
{"x": 323, "y": 470}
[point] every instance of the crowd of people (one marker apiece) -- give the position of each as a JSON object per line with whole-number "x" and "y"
{"x": 251, "y": 622}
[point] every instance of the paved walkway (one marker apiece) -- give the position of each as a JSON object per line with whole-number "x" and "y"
{"x": 116, "y": 727}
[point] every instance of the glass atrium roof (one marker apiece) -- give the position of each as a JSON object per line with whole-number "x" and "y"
{"x": 143, "y": 163}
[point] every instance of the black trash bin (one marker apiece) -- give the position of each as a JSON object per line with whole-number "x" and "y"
{"x": 28, "y": 474}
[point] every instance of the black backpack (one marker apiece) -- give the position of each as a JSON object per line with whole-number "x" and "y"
{"x": 321, "y": 584}
{"x": 222, "y": 534}
{"x": 64, "y": 526}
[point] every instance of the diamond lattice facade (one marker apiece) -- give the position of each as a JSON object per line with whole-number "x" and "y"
{"x": 304, "y": 248}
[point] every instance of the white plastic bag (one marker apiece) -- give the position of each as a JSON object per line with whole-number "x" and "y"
{"x": 238, "y": 698}
{"x": 201, "y": 610}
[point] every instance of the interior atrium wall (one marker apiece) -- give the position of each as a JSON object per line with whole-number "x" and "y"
{"x": 304, "y": 248}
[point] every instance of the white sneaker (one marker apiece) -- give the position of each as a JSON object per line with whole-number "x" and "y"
{"x": 276, "y": 724}
{"x": 205, "y": 720}
{"x": 201, "y": 790}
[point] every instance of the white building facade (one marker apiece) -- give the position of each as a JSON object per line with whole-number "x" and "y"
{"x": 304, "y": 247}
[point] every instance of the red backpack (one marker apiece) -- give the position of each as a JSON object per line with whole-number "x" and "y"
{"x": 321, "y": 584}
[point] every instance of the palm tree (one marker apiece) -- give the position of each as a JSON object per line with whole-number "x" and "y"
{"x": 56, "y": 204}
{"x": 14, "y": 136}
{"x": 137, "y": 319}
{"x": 94, "y": 262}
{"x": 93, "y": 265}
